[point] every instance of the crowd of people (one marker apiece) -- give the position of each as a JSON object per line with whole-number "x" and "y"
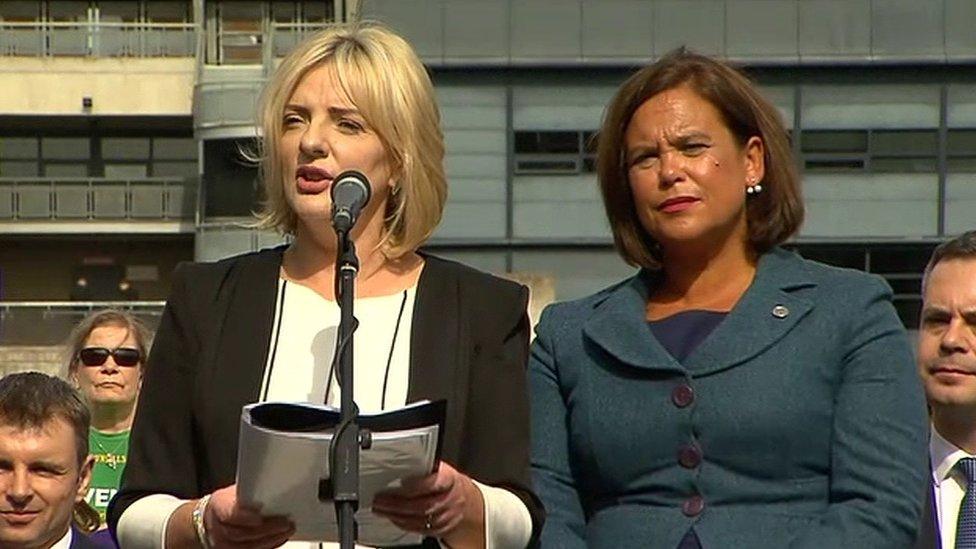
{"x": 729, "y": 394}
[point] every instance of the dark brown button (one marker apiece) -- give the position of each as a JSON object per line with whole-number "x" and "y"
{"x": 692, "y": 507}
{"x": 689, "y": 456}
{"x": 682, "y": 395}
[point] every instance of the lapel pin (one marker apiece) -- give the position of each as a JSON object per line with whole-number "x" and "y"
{"x": 780, "y": 311}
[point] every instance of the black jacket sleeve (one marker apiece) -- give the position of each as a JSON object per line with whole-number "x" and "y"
{"x": 162, "y": 449}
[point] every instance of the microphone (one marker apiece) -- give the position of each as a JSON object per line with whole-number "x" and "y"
{"x": 350, "y": 193}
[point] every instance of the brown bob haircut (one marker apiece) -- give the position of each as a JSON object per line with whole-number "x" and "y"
{"x": 773, "y": 215}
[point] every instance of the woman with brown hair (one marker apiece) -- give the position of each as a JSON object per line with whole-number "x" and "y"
{"x": 730, "y": 394}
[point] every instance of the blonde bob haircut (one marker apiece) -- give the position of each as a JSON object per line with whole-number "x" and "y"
{"x": 773, "y": 215}
{"x": 388, "y": 84}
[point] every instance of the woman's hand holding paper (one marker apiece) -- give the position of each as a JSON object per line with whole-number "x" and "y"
{"x": 445, "y": 504}
{"x": 229, "y": 524}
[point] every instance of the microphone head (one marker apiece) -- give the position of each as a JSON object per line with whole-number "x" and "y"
{"x": 350, "y": 184}
{"x": 350, "y": 192}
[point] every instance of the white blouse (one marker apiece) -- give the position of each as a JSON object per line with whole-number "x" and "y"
{"x": 303, "y": 343}
{"x": 299, "y": 369}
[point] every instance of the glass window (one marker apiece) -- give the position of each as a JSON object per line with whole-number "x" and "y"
{"x": 907, "y": 286}
{"x": 834, "y": 164}
{"x": 900, "y": 259}
{"x": 66, "y": 170}
{"x": 125, "y": 148}
{"x": 547, "y": 142}
{"x": 904, "y": 165}
{"x": 18, "y": 168}
{"x": 961, "y": 143}
{"x": 904, "y": 143}
{"x": 20, "y": 10}
{"x": 68, "y": 40}
{"x": 169, "y": 11}
{"x": 174, "y": 169}
{"x": 118, "y": 11}
{"x": 553, "y": 152}
{"x": 834, "y": 141}
{"x": 880, "y": 151}
{"x": 125, "y": 171}
{"x": 546, "y": 165}
{"x": 909, "y": 310}
{"x": 967, "y": 165}
{"x": 174, "y": 148}
{"x": 314, "y": 11}
{"x": 21, "y": 148}
{"x": 65, "y": 148}
{"x": 68, "y": 10}
{"x": 284, "y": 12}
{"x": 838, "y": 256}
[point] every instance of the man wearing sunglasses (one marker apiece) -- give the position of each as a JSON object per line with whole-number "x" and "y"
{"x": 105, "y": 356}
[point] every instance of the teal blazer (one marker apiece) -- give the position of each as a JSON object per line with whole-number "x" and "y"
{"x": 799, "y": 421}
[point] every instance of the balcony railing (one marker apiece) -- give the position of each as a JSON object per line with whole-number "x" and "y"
{"x": 97, "y": 39}
{"x": 97, "y": 199}
{"x": 257, "y": 46}
{"x": 50, "y": 322}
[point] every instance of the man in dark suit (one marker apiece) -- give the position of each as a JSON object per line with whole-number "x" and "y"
{"x": 947, "y": 366}
{"x": 45, "y": 467}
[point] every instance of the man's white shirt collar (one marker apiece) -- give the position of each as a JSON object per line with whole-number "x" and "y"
{"x": 944, "y": 456}
{"x": 64, "y": 542}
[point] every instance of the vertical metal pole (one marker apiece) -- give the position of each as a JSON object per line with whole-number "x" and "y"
{"x": 509, "y": 176}
{"x": 345, "y": 446}
{"x": 943, "y": 161}
{"x": 797, "y": 107}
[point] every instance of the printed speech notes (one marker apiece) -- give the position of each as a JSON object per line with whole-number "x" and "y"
{"x": 283, "y": 456}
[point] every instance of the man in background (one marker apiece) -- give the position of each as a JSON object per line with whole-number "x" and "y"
{"x": 105, "y": 354}
{"x": 947, "y": 365}
{"x": 44, "y": 463}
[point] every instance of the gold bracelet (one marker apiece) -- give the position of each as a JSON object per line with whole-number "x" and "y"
{"x": 198, "y": 526}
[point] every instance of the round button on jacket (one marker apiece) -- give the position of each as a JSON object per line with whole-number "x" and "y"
{"x": 689, "y": 456}
{"x": 693, "y": 506}
{"x": 682, "y": 395}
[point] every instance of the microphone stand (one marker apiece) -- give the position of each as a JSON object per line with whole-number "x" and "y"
{"x": 344, "y": 451}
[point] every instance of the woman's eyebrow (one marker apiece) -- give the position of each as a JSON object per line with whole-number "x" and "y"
{"x": 691, "y": 135}
{"x": 296, "y": 108}
{"x": 343, "y": 111}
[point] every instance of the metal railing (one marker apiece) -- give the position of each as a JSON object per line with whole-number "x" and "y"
{"x": 103, "y": 199}
{"x": 97, "y": 39}
{"x": 259, "y": 46}
{"x": 50, "y": 322}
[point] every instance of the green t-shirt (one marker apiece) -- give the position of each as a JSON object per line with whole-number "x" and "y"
{"x": 110, "y": 451}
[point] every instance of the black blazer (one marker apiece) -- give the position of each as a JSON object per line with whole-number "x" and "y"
{"x": 929, "y": 536}
{"x": 469, "y": 345}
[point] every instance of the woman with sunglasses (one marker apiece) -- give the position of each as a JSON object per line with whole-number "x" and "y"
{"x": 103, "y": 359}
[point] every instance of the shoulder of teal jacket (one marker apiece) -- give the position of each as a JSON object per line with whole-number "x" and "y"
{"x": 790, "y": 270}
{"x": 568, "y": 316}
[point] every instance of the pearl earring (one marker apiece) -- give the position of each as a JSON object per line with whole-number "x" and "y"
{"x": 753, "y": 188}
